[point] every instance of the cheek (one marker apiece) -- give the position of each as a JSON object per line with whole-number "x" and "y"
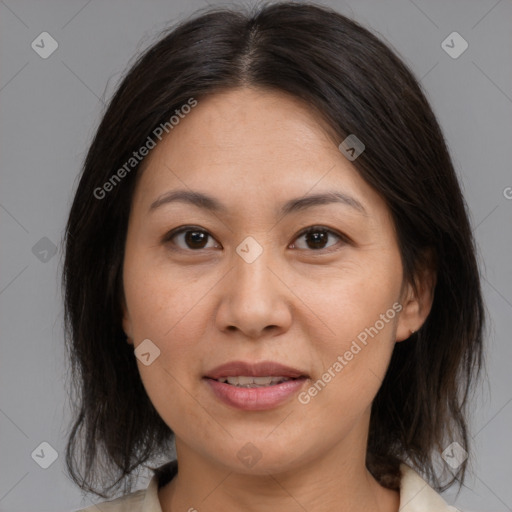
{"x": 163, "y": 312}
{"x": 350, "y": 300}
{"x": 172, "y": 309}
{"x": 358, "y": 309}
{"x": 161, "y": 299}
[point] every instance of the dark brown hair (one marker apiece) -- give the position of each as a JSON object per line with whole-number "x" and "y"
{"x": 358, "y": 86}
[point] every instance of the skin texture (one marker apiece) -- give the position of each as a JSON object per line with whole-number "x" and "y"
{"x": 253, "y": 150}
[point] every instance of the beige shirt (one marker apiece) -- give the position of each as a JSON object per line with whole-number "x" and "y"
{"x": 415, "y": 496}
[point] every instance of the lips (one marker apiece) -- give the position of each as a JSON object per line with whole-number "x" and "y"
{"x": 256, "y": 386}
{"x": 262, "y": 369}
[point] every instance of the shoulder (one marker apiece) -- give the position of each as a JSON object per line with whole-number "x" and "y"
{"x": 416, "y": 495}
{"x": 132, "y": 502}
{"x": 144, "y": 500}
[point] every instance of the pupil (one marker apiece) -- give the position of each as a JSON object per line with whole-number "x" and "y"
{"x": 195, "y": 239}
{"x": 317, "y": 238}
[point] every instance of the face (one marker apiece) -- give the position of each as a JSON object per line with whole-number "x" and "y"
{"x": 243, "y": 282}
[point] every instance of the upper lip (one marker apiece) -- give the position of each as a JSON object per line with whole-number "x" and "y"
{"x": 261, "y": 369}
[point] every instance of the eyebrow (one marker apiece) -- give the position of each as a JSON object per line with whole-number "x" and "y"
{"x": 207, "y": 202}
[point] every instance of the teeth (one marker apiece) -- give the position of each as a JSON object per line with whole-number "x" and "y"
{"x": 252, "y": 382}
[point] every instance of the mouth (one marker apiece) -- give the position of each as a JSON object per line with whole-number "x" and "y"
{"x": 255, "y": 387}
{"x": 243, "y": 381}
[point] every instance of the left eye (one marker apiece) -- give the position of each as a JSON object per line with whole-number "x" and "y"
{"x": 192, "y": 238}
{"x": 317, "y": 237}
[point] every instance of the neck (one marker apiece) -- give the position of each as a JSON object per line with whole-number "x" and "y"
{"x": 327, "y": 483}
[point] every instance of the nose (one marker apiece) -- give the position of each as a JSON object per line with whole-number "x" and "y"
{"x": 254, "y": 299}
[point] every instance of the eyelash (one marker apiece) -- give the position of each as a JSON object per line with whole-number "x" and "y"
{"x": 312, "y": 229}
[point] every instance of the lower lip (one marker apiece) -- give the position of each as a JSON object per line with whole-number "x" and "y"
{"x": 255, "y": 399}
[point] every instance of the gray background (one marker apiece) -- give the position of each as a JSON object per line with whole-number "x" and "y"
{"x": 49, "y": 109}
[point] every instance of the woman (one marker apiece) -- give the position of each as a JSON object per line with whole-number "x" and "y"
{"x": 269, "y": 266}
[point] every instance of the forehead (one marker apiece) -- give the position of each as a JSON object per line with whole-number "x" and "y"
{"x": 257, "y": 142}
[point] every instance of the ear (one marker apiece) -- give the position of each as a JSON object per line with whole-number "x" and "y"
{"x": 417, "y": 300}
{"x": 127, "y": 323}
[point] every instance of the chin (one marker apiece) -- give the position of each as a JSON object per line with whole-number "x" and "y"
{"x": 260, "y": 457}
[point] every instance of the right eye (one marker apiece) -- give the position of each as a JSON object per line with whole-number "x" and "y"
{"x": 189, "y": 238}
